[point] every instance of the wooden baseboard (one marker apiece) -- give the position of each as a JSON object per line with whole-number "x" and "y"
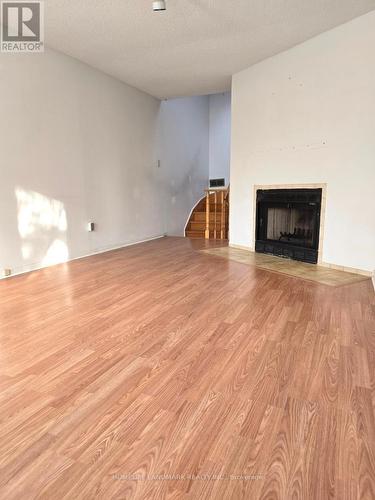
{"x": 37, "y": 266}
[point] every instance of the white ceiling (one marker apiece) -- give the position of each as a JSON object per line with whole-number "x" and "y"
{"x": 195, "y": 45}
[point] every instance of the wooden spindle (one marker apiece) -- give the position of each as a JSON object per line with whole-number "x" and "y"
{"x": 207, "y": 230}
{"x": 215, "y": 201}
{"x": 222, "y": 220}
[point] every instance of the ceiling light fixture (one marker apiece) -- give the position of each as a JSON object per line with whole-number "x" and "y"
{"x": 159, "y": 5}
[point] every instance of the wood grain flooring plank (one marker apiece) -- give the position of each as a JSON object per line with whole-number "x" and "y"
{"x": 159, "y": 372}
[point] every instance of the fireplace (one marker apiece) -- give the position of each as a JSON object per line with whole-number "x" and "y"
{"x": 288, "y": 223}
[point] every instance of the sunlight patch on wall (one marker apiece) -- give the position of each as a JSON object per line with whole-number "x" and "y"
{"x": 42, "y": 225}
{"x": 57, "y": 253}
{"x": 27, "y": 251}
{"x": 38, "y": 211}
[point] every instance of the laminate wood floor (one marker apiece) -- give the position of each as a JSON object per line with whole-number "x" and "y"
{"x": 158, "y": 372}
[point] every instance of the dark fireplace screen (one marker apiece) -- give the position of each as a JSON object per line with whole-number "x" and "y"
{"x": 288, "y": 223}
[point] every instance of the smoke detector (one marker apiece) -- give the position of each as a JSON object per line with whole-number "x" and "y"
{"x": 159, "y": 5}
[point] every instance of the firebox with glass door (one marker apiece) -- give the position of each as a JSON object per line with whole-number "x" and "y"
{"x": 288, "y": 222}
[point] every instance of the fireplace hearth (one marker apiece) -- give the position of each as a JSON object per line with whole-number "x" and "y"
{"x": 288, "y": 223}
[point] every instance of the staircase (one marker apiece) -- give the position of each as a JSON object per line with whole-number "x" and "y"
{"x": 210, "y": 216}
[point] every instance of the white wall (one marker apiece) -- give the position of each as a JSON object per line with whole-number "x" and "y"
{"x": 77, "y": 146}
{"x": 182, "y": 147}
{"x": 308, "y": 116}
{"x": 219, "y": 149}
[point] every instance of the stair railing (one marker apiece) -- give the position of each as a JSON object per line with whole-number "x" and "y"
{"x": 219, "y": 231}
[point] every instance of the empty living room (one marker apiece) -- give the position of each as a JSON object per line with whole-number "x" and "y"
{"x": 187, "y": 249}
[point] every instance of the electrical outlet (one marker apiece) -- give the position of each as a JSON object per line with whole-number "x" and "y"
{"x": 7, "y": 272}
{"x": 91, "y": 226}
